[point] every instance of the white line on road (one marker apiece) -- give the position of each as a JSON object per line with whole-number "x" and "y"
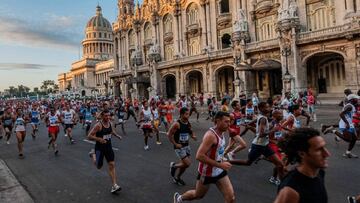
{"x": 92, "y": 142}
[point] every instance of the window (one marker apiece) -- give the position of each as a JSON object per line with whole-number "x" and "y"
{"x": 321, "y": 15}
{"x": 105, "y": 35}
{"x": 169, "y": 52}
{"x": 266, "y": 31}
{"x": 147, "y": 31}
{"x": 94, "y": 34}
{"x": 224, "y": 6}
{"x": 226, "y": 41}
{"x": 192, "y": 14}
{"x": 132, "y": 38}
{"x": 167, "y": 23}
{"x": 100, "y": 34}
{"x": 194, "y": 47}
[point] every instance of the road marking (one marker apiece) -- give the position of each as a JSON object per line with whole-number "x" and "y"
{"x": 92, "y": 142}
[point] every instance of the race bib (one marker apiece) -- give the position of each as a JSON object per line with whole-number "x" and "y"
{"x": 184, "y": 137}
{"x": 107, "y": 137}
{"x": 278, "y": 134}
{"x": 238, "y": 122}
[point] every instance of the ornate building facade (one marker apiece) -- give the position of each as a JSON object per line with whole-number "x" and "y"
{"x": 172, "y": 47}
{"x": 90, "y": 74}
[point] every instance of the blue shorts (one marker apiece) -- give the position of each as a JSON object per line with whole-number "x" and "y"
{"x": 350, "y": 130}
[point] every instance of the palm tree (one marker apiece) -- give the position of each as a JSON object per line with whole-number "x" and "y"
{"x": 12, "y": 91}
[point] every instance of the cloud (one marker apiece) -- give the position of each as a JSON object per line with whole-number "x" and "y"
{"x": 47, "y": 33}
{"x": 24, "y": 66}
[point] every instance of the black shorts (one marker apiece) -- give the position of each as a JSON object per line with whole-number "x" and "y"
{"x": 81, "y": 117}
{"x": 258, "y": 150}
{"x": 145, "y": 130}
{"x": 108, "y": 153}
{"x": 69, "y": 126}
{"x": 9, "y": 127}
{"x": 206, "y": 180}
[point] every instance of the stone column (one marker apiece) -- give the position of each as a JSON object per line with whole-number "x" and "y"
{"x": 182, "y": 81}
{"x": 178, "y": 81}
{"x": 183, "y": 34}
{"x": 176, "y": 32}
{"x": 351, "y": 72}
{"x": 208, "y": 23}
{"x": 350, "y": 6}
{"x": 203, "y": 26}
{"x": 213, "y": 24}
{"x": 205, "y": 82}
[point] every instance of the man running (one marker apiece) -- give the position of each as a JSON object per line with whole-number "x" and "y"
{"x": 53, "y": 119}
{"x": 193, "y": 107}
{"x": 305, "y": 184}
{"x": 35, "y": 119}
{"x": 260, "y": 144}
{"x": 69, "y": 120}
{"x": 20, "y": 130}
{"x": 212, "y": 169}
{"x": 179, "y": 135}
{"x": 101, "y": 133}
{"x": 8, "y": 122}
{"x": 121, "y": 115}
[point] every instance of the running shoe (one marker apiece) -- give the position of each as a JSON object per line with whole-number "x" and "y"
{"x": 350, "y": 155}
{"x": 180, "y": 181}
{"x": 351, "y": 199}
{"x": 146, "y": 147}
{"x": 65, "y": 135}
{"x": 230, "y": 156}
{"x": 7, "y": 142}
{"x": 21, "y": 156}
{"x": 337, "y": 138}
{"x": 115, "y": 188}
{"x": 323, "y": 128}
{"x": 328, "y": 130}
{"x": 274, "y": 181}
{"x": 72, "y": 141}
{"x": 56, "y": 152}
{"x": 158, "y": 143}
{"x": 172, "y": 169}
{"x": 92, "y": 151}
{"x": 177, "y": 198}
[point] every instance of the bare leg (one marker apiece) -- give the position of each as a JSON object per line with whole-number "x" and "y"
{"x": 112, "y": 172}
{"x": 226, "y": 188}
{"x": 198, "y": 193}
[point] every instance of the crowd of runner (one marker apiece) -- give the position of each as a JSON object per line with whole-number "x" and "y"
{"x": 280, "y": 127}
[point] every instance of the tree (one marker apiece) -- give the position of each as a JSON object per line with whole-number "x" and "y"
{"x": 12, "y": 91}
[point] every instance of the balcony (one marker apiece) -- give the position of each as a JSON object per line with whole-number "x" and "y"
{"x": 262, "y": 45}
{"x": 223, "y": 20}
{"x": 263, "y": 6}
{"x": 193, "y": 29}
{"x": 326, "y": 33}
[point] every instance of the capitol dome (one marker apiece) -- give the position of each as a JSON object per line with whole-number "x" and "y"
{"x": 98, "y": 42}
{"x": 98, "y": 21}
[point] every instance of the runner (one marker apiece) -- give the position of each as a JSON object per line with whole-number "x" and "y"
{"x": 163, "y": 108}
{"x": 88, "y": 114}
{"x": 20, "y": 125}
{"x": 193, "y": 107}
{"x": 212, "y": 169}
{"x": 260, "y": 144}
{"x": 8, "y": 122}
{"x": 292, "y": 122}
{"x": 156, "y": 123}
{"x": 121, "y": 115}
{"x": 353, "y": 199}
{"x": 146, "y": 120}
{"x": 179, "y": 135}
{"x": 130, "y": 111}
{"x": 347, "y": 130}
{"x": 69, "y": 119}
{"x": 170, "y": 112}
{"x": 53, "y": 119}
{"x": 101, "y": 133}
{"x": 305, "y": 184}
{"x": 35, "y": 119}
{"x": 236, "y": 143}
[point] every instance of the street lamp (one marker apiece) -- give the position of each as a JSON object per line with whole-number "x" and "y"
{"x": 286, "y": 51}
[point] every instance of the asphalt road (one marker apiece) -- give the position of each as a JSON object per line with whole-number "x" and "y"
{"x": 144, "y": 175}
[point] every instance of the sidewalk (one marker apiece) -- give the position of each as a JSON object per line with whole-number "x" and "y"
{"x": 10, "y": 188}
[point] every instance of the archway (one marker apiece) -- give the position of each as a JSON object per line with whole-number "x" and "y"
{"x": 326, "y": 72}
{"x": 170, "y": 86}
{"x": 225, "y": 81}
{"x": 194, "y": 80}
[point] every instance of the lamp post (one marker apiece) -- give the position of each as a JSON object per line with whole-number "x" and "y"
{"x": 286, "y": 51}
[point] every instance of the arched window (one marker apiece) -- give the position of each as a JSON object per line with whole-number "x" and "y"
{"x": 266, "y": 31}
{"x": 168, "y": 23}
{"x": 192, "y": 14}
{"x": 226, "y": 41}
{"x": 147, "y": 31}
{"x": 224, "y": 6}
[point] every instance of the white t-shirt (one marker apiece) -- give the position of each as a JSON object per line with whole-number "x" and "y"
{"x": 69, "y": 116}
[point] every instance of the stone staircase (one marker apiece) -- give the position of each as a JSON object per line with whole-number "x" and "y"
{"x": 330, "y": 98}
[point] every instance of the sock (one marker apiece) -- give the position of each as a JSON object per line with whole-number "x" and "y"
{"x": 333, "y": 131}
{"x": 348, "y": 152}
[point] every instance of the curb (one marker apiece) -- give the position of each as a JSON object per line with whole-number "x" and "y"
{"x": 10, "y": 188}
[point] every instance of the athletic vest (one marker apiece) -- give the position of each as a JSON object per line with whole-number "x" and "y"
{"x": 216, "y": 153}
{"x": 182, "y": 135}
{"x": 104, "y": 133}
{"x": 263, "y": 141}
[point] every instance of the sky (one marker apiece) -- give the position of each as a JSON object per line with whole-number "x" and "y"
{"x": 41, "y": 38}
